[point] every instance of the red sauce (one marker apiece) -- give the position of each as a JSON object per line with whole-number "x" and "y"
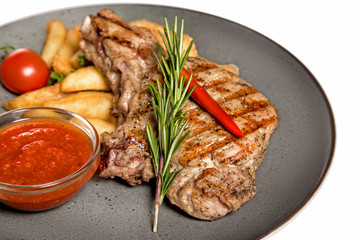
{"x": 41, "y": 151}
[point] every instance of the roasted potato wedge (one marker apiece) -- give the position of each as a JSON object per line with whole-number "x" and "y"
{"x": 89, "y": 104}
{"x": 74, "y": 59}
{"x": 35, "y": 98}
{"x": 55, "y": 36}
{"x": 43, "y": 113}
{"x": 102, "y": 126}
{"x": 87, "y": 78}
{"x": 154, "y": 28}
{"x": 61, "y": 63}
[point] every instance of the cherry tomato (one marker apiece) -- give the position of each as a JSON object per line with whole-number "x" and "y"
{"x": 24, "y": 70}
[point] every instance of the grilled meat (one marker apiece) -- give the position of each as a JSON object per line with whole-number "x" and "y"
{"x": 219, "y": 169}
{"x": 124, "y": 54}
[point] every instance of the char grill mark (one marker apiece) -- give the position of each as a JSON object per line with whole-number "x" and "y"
{"x": 207, "y": 135}
{"x": 114, "y": 18}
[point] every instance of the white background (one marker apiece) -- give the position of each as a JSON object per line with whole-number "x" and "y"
{"x": 325, "y": 36}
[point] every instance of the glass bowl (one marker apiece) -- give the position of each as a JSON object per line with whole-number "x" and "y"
{"x": 51, "y": 194}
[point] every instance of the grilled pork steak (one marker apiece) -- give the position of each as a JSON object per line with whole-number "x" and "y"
{"x": 219, "y": 169}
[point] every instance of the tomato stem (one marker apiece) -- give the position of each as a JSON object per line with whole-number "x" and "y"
{"x": 7, "y": 50}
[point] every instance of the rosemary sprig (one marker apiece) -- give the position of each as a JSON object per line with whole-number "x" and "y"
{"x": 167, "y": 100}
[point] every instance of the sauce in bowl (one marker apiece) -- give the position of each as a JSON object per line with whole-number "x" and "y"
{"x": 46, "y": 156}
{"x": 41, "y": 151}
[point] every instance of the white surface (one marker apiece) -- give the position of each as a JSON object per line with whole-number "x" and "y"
{"x": 325, "y": 36}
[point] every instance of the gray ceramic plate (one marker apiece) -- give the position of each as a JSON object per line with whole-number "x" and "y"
{"x": 297, "y": 159}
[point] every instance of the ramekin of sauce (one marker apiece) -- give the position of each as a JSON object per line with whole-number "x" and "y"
{"x": 46, "y": 156}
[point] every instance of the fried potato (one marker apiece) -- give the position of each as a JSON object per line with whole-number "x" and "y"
{"x": 61, "y": 62}
{"x": 55, "y": 36}
{"x": 43, "y": 113}
{"x": 87, "y": 78}
{"x": 102, "y": 126}
{"x": 74, "y": 58}
{"x": 35, "y": 98}
{"x": 90, "y": 104}
{"x": 154, "y": 29}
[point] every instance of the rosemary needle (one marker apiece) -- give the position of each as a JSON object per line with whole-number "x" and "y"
{"x": 167, "y": 100}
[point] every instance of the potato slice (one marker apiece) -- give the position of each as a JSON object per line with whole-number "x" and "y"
{"x": 87, "y": 78}
{"x": 90, "y": 104}
{"x": 102, "y": 126}
{"x": 55, "y": 36}
{"x": 35, "y": 98}
{"x": 62, "y": 62}
{"x": 154, "y": 29}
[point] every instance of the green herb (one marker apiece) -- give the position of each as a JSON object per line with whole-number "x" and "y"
{"x": 81, "y": 60}
{"x": 7, "y": 50}
{"x": 167, "y": 100}
{"x": 58, "y": 77}
{"x": 55, "y": 78}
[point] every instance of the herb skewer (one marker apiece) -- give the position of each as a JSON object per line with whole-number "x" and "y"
{"x": 167, "y": 100}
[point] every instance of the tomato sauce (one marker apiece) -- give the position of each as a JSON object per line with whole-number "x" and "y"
{"x": 41, "y": 151}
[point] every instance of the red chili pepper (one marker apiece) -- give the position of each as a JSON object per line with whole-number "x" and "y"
{"x": 208, "y": 103}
